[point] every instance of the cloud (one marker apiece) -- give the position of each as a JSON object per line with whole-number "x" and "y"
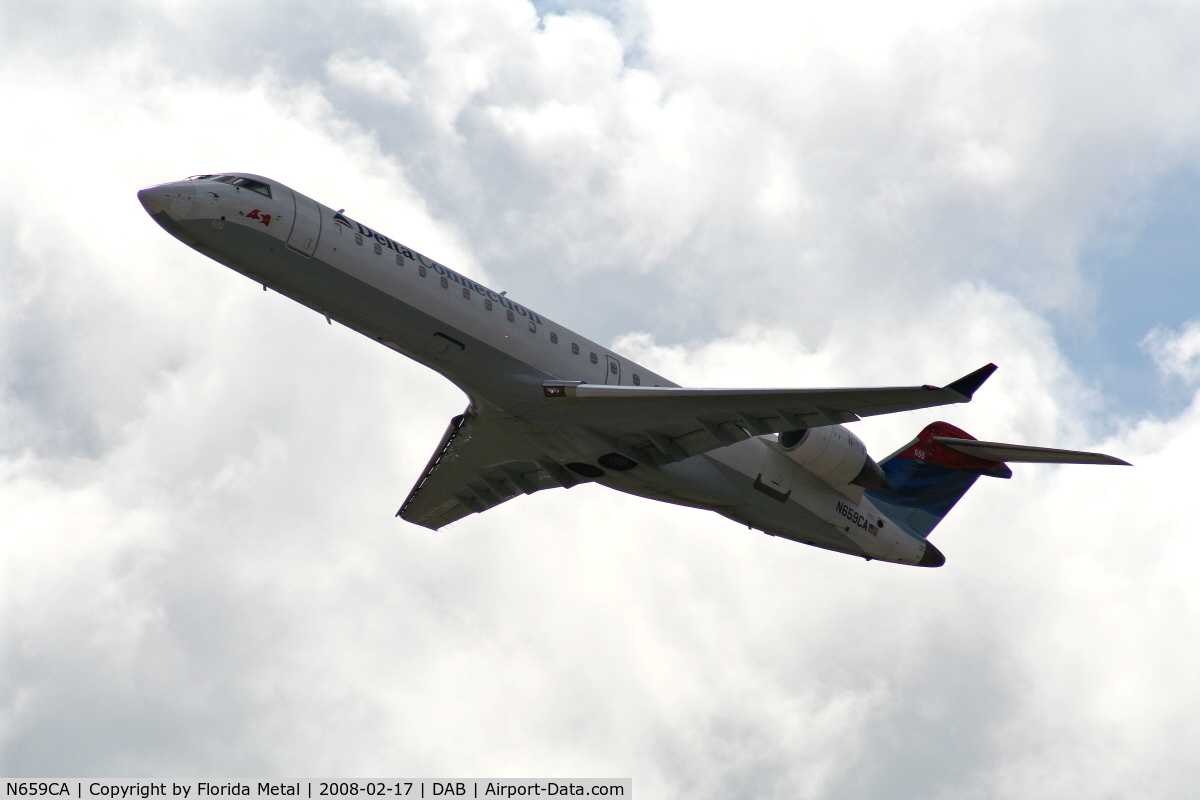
{"x": 371, "y": 75}
{"x": 202, "y": 575}
{"x": 1177, "y": 354}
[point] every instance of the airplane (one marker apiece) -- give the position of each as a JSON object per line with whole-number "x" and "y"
{"x": 549, "y": 408}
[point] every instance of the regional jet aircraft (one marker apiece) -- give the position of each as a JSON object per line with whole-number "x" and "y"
{"x": 549, "y": 408}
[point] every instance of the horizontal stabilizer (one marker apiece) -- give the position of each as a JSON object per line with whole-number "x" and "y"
{"x": 927, "y": 476}
{"x": 1019, "y": 453}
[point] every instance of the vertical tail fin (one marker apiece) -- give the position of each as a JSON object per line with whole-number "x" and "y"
{"x": 925, "y": 479}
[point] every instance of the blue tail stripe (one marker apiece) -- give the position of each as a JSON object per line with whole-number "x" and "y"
{"x": 920, "y": 493}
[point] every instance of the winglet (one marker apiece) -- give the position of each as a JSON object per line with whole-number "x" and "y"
{"x": 967, "y": 384}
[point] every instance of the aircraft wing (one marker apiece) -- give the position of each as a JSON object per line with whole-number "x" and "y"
{"x": 479, "y": 464}
{"x": 667, "y": 423}
{"x": 482, "y": 463}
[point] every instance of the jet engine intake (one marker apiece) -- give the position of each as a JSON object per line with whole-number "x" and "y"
{"x": 833, "y": 454}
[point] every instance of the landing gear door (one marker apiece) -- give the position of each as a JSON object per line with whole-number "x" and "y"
{"x": 306, "y": 229}
{"x": 613, "y": 373}
{"x": 775, "y": 479}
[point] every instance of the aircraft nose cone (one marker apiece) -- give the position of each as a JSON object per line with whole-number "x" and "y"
{"x": 154, "y": 199}
{"x": 932, "y": 557}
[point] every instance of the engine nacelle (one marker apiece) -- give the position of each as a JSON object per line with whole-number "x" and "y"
{"x": 833, "y": 454}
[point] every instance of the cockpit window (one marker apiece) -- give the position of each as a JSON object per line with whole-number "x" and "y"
{"x": 234, "y": 180}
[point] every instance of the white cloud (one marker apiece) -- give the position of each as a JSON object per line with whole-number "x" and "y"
{"x": 370, "y": 75}
{"x": 1177, "y": 353}
{"x": 201, "y": 572}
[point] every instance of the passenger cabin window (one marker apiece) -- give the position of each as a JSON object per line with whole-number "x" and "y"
{"x": 445, "y": 283}
{"x": 553, "y": 337}
{"x": 466, "y": 293}
{"x": 421, "y": 271}
{"x": 612, "y": 367}
{"x": 593, "y": 359}
{"x": 637, "y": 379}
{"x": 378, "y": 249}
{"x": 358, "y": 238}
{"x": 399, "y": 258}
{"x": 532, "y": 328}
{"x": 510, "y": 316}
{"x": 575, "y": 348}
{"x": 487, "y": 304}
{"x": 245, "y": 183}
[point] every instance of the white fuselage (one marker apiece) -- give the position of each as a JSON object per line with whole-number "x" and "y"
{"x": 499, "y": 352}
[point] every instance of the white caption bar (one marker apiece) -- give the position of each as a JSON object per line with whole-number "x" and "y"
{"x": 321, "y": 790}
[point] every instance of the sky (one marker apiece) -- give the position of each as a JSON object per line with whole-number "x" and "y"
{"x": 201, "y": 576}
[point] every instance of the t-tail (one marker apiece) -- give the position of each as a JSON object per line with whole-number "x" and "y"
{"x": 926, "y": 477}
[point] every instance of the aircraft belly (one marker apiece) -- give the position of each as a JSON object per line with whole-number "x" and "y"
{"x": 704, "y": 482}
{"x": 791, "y": 519}
{"x": 812, "y": 508}
{"x": 518, "y": 347}
{"x": 373, "y": 311}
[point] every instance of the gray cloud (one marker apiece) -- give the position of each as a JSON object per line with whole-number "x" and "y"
{"x": 201, "y": 573}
